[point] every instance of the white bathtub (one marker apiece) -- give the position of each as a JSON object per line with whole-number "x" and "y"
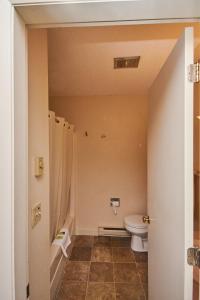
{"x": 57, "y": 259}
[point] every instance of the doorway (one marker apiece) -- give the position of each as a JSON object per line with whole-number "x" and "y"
{"x": 46, "y": 62}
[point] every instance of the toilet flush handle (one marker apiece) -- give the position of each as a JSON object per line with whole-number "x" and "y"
{"x": 146, "y": 219}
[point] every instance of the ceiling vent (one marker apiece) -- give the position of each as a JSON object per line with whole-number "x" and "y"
{"x": 126, "y": 62}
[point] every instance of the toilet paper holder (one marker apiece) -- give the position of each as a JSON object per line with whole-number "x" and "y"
{"x": 115, "y": 202}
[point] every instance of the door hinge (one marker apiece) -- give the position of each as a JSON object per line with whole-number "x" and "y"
{"x": 193, "y": 257}
{"x": 194, "y": 72}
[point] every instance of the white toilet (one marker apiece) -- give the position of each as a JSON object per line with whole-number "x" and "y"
{"x": 134, "y": 224}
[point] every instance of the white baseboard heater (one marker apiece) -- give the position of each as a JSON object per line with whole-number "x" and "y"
{"x": 112, "y": 231}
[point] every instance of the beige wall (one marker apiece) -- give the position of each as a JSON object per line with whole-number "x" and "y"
{"x": 39, "y": 249}
{"x": 114, "y": 166}
{"x": 97, "y": 46}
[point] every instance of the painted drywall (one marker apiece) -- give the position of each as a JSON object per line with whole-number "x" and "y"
{"x": 81, "y": 59}
{"x": 111, "y": 158}
{"x": 39, "y": 249}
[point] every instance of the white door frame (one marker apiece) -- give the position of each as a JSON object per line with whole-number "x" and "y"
{"x": 13, "y": 149}
{"x": 7, "y": 287}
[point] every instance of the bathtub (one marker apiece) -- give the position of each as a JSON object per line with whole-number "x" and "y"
{"x": 57, "y": 259}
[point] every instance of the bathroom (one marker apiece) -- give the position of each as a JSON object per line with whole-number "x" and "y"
{"x": 108, "y": 108}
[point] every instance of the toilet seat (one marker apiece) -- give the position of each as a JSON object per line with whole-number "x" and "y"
{"x": 135, "y": 221}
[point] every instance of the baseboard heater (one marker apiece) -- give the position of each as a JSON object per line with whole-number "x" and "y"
{"x": 112, "y": 231}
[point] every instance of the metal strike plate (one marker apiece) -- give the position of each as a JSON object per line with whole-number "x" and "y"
{"x": 193, "y": 257}
{"x": 39, "y": 166}
{"x": 194, "y": 72}
{"x": 36, "y": 214}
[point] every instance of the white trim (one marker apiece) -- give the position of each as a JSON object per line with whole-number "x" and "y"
{"x": 49, "y": 2}
{"x": 20, "y": 130}
{"x": 115, "y": 23}
{"x": 107, "y": 12}
{"x": 7, "y": 282}
{"x": 188, "y": 162}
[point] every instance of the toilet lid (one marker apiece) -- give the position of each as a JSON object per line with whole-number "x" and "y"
{"x": 135, "y": 221}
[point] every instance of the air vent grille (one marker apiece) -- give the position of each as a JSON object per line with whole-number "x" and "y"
{"x": 126, "y": 62}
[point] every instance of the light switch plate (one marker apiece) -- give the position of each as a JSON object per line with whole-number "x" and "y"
{"x": 36, "y": 214}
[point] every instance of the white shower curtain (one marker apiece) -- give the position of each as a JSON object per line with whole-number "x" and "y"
{"x": 61, "y": 157}
{"x": 66, "y": 173}
{"x": 52, "y": 204}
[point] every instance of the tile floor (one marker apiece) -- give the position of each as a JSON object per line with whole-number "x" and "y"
{"x": 104, "y": 268}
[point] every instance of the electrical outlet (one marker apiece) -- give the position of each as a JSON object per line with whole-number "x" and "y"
{"x": 36, "y": 214}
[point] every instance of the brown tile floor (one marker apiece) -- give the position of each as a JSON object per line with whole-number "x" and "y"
{"x": 104, "y": 268}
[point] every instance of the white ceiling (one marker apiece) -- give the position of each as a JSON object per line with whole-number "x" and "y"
{"x": 81, "y": 59}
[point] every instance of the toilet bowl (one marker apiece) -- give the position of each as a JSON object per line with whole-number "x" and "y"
{"x": 134, "y": 224}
